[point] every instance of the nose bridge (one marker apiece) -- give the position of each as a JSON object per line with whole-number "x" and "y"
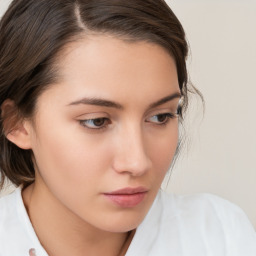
{"x": 131, "y": 155}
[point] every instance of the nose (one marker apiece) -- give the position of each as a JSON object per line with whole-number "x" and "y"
{"x": 131, "y": 153}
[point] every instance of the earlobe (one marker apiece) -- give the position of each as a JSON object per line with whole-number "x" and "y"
{"x": 20, "y": 137}
{"x": 16, "y": 130}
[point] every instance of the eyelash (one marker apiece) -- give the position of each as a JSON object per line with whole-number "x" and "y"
{"x": 167, "y": 118}
{"x": 105, "y": 121}
{"x": 103, "y": 126}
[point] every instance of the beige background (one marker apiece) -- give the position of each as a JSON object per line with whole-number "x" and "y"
{"x": 221, "y": 159}
{"x": 222, "y": 152}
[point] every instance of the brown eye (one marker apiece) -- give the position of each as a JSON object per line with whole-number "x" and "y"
{"x": 99, "y": 122}
{"x": 161, "y": 118}
{"x": 96, "y": 123}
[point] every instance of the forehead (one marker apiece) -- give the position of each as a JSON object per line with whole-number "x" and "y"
{"x": 111, "y": 68}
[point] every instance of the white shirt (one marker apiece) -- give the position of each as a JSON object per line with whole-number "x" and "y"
{"x": 196, "y": 225}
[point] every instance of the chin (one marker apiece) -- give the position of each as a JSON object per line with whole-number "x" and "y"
{"x": 122, "y": 228}
{"x": 123, "y": 222}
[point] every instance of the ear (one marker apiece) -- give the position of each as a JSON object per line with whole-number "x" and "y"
{"x": 16, "y": 129}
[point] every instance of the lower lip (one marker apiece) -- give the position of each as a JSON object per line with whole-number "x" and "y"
{"x": 127, "y": 200}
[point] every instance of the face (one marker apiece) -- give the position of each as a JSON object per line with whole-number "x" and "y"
{"x": 104, "y": 136}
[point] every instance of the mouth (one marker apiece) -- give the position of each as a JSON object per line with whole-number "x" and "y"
{"x": 127, "y": 197}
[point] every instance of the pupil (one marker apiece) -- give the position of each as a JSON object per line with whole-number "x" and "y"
{"x": 161, "y": 118}
{"x": 99, "y": 121}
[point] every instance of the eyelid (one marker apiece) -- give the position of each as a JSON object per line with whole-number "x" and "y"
{"x": 103, "y": 126}
{"x": 161, "y": 111}
{"x": 93, "y": 115}
{"x": 168, "y": 116}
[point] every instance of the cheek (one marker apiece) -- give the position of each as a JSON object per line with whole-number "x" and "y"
{"x": 66, "y": 158}
{"x": 164, "y": 147}
{"x": 162, "y": 151}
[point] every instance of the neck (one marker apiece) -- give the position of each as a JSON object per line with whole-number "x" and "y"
{"x": 62, "y": 233}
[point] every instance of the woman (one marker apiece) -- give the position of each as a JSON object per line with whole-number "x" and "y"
{"x": 91, "y": 94}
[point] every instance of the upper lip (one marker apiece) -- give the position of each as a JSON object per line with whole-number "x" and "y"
{"x": 128, "y": 191}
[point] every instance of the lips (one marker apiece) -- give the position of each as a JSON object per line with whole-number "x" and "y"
{"x": 127, "y": 197}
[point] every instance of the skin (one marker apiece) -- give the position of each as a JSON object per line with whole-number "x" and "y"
{"x": 77, "y": 161}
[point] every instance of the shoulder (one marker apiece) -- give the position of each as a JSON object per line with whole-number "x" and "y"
{"x": 8, "y": 205}
{"x": 15, "y": 228}
{"x": 8, "y": 220}
{"x": 208, "y": 221}
{"x": 9, "y": 212}
{"x": 205, "y": 205}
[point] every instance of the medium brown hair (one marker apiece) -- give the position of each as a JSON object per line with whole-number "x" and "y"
{"x": 33, "y": 33}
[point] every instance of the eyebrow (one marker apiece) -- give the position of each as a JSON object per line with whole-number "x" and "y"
{"x": 111, "y": 104}
{"x": 97, "y": 102}
{"x": 165, "y": 100}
